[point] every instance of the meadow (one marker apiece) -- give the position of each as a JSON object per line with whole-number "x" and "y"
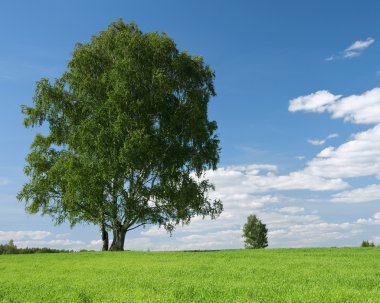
{"x": 271, "y": 275}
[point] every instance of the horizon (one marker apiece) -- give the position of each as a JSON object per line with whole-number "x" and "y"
{"x": 297, "y": 107}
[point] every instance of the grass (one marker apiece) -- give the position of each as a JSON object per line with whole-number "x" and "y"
{"x": 276, "y": 275}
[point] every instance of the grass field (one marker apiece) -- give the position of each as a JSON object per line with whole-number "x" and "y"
{"x": 276, "y": 275}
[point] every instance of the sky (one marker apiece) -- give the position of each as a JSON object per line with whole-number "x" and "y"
{"x": 297, "y": 107}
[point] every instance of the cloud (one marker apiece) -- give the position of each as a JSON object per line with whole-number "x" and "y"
{"x": 292, "y": 209}
{"x": 358, "y": 109}
{"x": 376, "y": 240}
{"x": 249, "y": 179}
{"x": 322, "y": 141}
{"x": 317, "y": 234}
{"x": 315, "y": 102}
{"x": 316, "y": 141}
{"x": 375, "y": 220}
{"x": 61, "y": 243}
{"x": 288, "y": 227}
{"x": 356, "y": 158}
{"x": 23, "y": 234}
{"x": 358, "y": 195}
{"x": 354, "y": 50}
{"x": 40, "y": 238}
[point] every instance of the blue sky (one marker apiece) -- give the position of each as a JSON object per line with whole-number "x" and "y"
{"x": 288, "y": 74}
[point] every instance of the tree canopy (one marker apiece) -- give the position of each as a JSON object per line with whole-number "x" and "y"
{"x": 255, "y": 233}
{"x": 128, "y": 137}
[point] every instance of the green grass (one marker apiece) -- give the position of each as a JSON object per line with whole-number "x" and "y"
{"x": 278, "y": 275}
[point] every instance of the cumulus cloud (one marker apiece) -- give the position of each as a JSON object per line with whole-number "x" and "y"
{"x": 358, "y": 109}
{"x": 41, "y": 238}
{"x": 313, "y": 234}
{"x": 315, "y": 102}
{"x": 358, "y": 195}
{"x": 288, "y": 227}
{"x": 248, "y": 179}
{"x": 375, "y": 220}
{"x": 358, "y": 157}
{"x": 354, "y": 50}
{"x": 24, "y": 234}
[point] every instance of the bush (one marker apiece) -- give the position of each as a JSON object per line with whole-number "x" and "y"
{"x": 255, "y": 233}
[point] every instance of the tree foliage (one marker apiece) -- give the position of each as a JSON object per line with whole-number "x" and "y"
{"x": 10, "y": 248}
{"x": 129, "y": 136}
{"x": 255, "y": 233}
{"x": 366, "y": 243}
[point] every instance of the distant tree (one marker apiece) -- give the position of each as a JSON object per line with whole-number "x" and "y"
{"x": 255, "y": 233}
{"x": 128, "y": 136}
{"x": 9, "y": 248}
{"x": 366, "y": 243}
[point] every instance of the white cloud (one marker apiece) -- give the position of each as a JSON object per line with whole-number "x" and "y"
{"x": 96, "y": 243}
{"x": 292, "y": 209}
{"x": 315, "y": 102}
{"x": 288, "y": 227}
{"x": 375, "y": 220}
{"x": 332, "y": 136}
{"x": 358, "y": 195}
{"x": 154, "y": 232}
{"x": 246, "y": 180}
{"x": 61, "y": 243}
{"x": 357, "y": 48}
{"x": 322, "y": 141}
{"x": 354, "y": 50}
{"x": 376, "y": 240}
{"x": 313, "y": 234}
{"x": 356, "y": 158}
{"x": 316, "y": 141}
{"x": 24, "y": 234}
{"x": 358, "y": 109}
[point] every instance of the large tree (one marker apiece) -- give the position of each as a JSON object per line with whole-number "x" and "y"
{"x": 127, "y": 137}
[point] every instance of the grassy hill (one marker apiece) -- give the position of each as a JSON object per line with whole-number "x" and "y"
{"x": 276, "y": 275}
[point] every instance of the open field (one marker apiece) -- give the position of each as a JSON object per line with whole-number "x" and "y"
{"x": 277, "y": 275}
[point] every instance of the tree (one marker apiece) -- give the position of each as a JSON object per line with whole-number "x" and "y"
{"x": 366, "y": 243}
{"x": 255, "y": 233}
{"x": 129, "y": 137}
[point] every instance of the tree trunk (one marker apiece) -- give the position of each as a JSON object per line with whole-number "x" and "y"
{"x": 104, "y": 238}
{"x": 118, "y": 239}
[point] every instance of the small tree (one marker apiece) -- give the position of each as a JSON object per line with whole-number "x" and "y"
{"x": 255, "y": 233}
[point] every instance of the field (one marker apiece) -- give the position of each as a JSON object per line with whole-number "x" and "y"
{"x": 272, "y": 275}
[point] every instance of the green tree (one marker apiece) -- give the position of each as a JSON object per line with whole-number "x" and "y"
{"x": 255, "y": 233}
{"x": 366, "y": 243}
{"x": 129, "y": 136}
